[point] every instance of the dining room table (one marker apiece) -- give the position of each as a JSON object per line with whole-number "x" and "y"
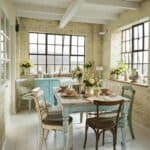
{"x": 80, "y": 104}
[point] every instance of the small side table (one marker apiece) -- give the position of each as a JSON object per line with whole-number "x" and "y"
{"x": 29, "y": 99}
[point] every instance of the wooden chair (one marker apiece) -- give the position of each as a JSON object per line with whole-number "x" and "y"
{"x": 129, "y": 92}
{"x": 48, "y": 121}
{"x": 99, "y": 124}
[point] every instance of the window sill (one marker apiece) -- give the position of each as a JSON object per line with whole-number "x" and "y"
{"x": 130, "y": 82}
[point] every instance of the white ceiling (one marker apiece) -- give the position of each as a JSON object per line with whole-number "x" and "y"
{"x": 89, "y": 11}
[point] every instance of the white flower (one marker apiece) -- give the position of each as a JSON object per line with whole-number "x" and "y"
{"x": 91, "y": 81}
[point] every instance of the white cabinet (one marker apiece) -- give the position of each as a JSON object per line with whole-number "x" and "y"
{"x": 4, "y": 47}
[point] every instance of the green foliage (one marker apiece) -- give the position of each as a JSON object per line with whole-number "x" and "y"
{"x": 120, "y": 68}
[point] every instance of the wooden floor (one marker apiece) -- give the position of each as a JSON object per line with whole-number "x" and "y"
{"x": 23, "y": 134}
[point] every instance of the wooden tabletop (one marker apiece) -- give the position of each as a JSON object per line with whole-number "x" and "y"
{"x": 81, "y": 100}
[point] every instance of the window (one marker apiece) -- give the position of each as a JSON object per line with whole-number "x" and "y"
{"x": 52, "y": 52}
{"x": 135, "y": 48}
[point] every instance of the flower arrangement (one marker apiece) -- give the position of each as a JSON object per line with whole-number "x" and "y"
{"x": 89, "y": 64}
{"x": 77, "y": 73}
{"x": 89, "y": 80}
{"x": 26, "y": 63}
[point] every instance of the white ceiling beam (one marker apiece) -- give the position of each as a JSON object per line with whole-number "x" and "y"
{"x": 70, "y": 12}
{"x": 116, "y": 3}
{"x": 90, "y": 20}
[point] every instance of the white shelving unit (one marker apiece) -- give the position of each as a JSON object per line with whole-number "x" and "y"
{"x": 4, "y": 47}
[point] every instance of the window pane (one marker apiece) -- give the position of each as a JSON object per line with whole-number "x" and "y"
{"x": 50, "y": 69}
{"x": 33, "y": 48}
{"x": 135, "y": 45}
{"x": 58, "y": 39}
{"x": 140, "y": 42}
{"x": 81, "y": 41}
{"x": 127, "y": 35}
{"x": 81, "y": 66}
{"x": 42, "y": 68}
{"x": 50, "y": 59}
{"x": 41, "y": 59}
{"x": 58, "y": 49}
{"x": 74, "y": 50}
{"x": 33, "y": 59}
{"x": 51, "y": 39}
{"x": 146, "y": 43}
{"x": 74, "y": 40}
{"x": 141, "y": 31}
{"x": 73, "y": 67}
{"x": 66, "y": 60}
{"x": 32, "y": 38}
{"x": 127, "y": 47}
{"x": 33, "y": 69}
{"x": 146, "y": 29}
{"x": 81, "y": 50}
{"x": 140, "y": 57}
{"x": 50, "y": 49}
{"x": 135, "y": 58}
{"x": 146, "y": 57}
{"x": 41, "y": 49}
{"x": 123, "y": 37}
{"x": 58, "y": 68}
{"x": 41, "y": 38}
{"x": 65, "y": 68}
{"x": 58, "y": 59}
{"x": 73, "y": 60}
{"x": 66, "y": 40}
{"x": 135, "y": 32}
{"x": 123, "y": 47}
{"x": 66, "y": 50}
{"x": 129, "y": 58}
{"x": 80, "y": 60}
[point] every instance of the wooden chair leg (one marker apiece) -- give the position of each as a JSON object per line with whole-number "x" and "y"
{"x": 114, "y": 138}
{"x": 103, "y": 142}
{"x": 81, "y": 117}
{"x": 85, "y": 138}
{"x": 97, "y": 139}
{"x": 131, "y": 128}
{"x": 41, "y": 139}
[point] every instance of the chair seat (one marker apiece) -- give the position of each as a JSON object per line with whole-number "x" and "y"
{"x": 55, "y": 119}
{"x": 54, "y": 110}
{"x": 100, "y": 123}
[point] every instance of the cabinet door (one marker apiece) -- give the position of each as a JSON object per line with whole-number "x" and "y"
{"x": 44, "y": 85}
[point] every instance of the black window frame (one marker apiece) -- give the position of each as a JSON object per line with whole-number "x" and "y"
{"x": 132, "y": 51}
{"x": 46, "y": 54}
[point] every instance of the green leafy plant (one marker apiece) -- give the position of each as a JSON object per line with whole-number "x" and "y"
{"x": 77, "y": 73}
{"x": 120, "y": 68}
{"x": 26, "y": 63}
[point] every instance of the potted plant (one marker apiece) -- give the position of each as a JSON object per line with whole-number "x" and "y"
{"x": 77, "y": 73}
{"x": 121, "y": 68}
{"x": 25, "y": 65}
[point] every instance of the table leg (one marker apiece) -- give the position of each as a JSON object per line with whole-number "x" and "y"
{"x": 123, "y": 131}
{"x": 30, "y": 103}
{"x": 66, "y": 132}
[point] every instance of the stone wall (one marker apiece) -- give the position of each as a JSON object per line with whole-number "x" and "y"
{"x": 141, "y": 110}
{"x": 90, "y": 31}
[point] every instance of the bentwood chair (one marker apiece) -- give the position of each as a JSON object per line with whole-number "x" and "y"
{"x": 129, "y": 92}
{"x": 48, "y": 121}
{"x": 99, "y": 124}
